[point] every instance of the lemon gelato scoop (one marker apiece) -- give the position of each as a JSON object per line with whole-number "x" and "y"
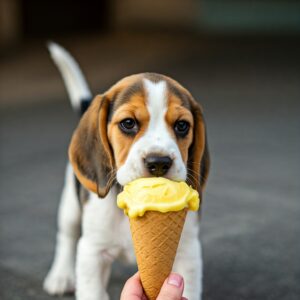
{"x": 156, "y": 194}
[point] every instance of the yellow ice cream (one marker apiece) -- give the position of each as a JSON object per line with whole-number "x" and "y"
{"x": 158, "y": 194}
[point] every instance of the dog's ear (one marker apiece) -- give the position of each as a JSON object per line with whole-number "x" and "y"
{"x": 198, "y": 158}
{"x": 90, "y": 152}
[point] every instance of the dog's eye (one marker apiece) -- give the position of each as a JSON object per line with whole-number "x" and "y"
{"x": 129, "y": 126}
{"x": 181, "y": 128}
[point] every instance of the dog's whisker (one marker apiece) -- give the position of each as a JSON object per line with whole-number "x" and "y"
{"x": 195, "y": 163}
{"x": 189, "y": 181}
{"x": 111, "y": 172}
{"x": 194, "y": 180}
{"x": 193, "y": 171}
{"x": 191, "y": 177}
{"x": 194, "y": 177}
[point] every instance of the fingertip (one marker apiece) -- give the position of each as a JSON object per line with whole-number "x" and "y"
{"x": 172, "y": 288}
{"x": 175, "y": 279}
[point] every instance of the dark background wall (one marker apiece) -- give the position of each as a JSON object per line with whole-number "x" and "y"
{"x": 21, "y": 19}
{"x": 42, "y": 18}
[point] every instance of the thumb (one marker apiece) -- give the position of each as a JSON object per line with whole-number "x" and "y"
{"x": 172, "y": 288}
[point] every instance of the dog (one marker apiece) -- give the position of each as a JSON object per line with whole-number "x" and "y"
{"x": 145, "y": 125}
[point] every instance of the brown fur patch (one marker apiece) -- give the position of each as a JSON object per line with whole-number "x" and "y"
{"x": 89, "y": 152}
{"x": 135, "y": 108}
{"x": 177, "y": 112}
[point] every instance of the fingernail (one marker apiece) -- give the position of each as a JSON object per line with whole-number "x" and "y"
{"x": 175, "y": 279}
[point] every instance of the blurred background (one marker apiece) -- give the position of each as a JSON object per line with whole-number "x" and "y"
{"x": 240, "y": 60}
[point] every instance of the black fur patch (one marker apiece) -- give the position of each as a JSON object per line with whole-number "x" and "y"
{"x": 84, "y": 105}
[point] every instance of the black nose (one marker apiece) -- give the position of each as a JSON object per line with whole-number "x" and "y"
{"x": 158, "y": 165}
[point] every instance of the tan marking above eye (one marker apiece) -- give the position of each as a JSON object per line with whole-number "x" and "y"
{"x": 134, "y": 108}
{"x": 175, "y": 113}
{"x": 121, "y": 143}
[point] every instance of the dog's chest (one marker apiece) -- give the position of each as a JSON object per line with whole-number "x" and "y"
{"x": 107, "y": 225}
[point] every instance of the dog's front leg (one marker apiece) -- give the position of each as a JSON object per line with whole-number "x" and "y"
{"x": 61, "y": 277}
{"x": 97, "y": 247}
{"x": 92, "y": 271}
{"x": 188, "y": 261}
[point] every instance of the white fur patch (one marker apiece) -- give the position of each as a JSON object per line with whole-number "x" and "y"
{"x": 156, "y": 101}
{"x": 157, "y": 139}
{"x": 73, "y": 77}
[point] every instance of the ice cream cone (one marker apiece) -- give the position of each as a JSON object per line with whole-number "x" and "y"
{"x": 155, "y": 237}
{"x": 156, "y": 208}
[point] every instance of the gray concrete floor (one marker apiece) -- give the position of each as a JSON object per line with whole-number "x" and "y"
{"x": 250, "y": 92}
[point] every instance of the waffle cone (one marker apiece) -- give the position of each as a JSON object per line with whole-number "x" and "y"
{"x": 155, "y": 238}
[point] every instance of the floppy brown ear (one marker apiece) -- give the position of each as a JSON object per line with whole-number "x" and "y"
{"x": 89, "y": 152}
{"x": 198, "y": 159}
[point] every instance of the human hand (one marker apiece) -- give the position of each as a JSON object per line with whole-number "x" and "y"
{"x": 172, "y": 288}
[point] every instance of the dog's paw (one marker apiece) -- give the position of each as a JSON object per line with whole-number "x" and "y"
{"x": 60, "y": 282}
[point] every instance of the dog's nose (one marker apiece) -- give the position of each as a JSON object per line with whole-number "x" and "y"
{"x": 158, "y": 165}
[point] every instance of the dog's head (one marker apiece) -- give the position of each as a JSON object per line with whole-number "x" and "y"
{"x": 145, "y": 125}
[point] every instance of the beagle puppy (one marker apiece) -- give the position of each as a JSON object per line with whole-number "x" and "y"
{"x": 145, "y": 125}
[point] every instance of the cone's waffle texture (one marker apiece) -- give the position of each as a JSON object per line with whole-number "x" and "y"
{"x": 155, "y": 237}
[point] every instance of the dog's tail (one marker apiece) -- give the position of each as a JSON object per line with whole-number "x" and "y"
{"x": 75, "y": 82}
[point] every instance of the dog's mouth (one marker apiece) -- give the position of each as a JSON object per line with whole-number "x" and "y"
{"x": 121, "y": 187}
{"x": 163, "y": 167}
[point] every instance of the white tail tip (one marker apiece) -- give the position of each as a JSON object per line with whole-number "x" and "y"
{"x": 73, "y": 77}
